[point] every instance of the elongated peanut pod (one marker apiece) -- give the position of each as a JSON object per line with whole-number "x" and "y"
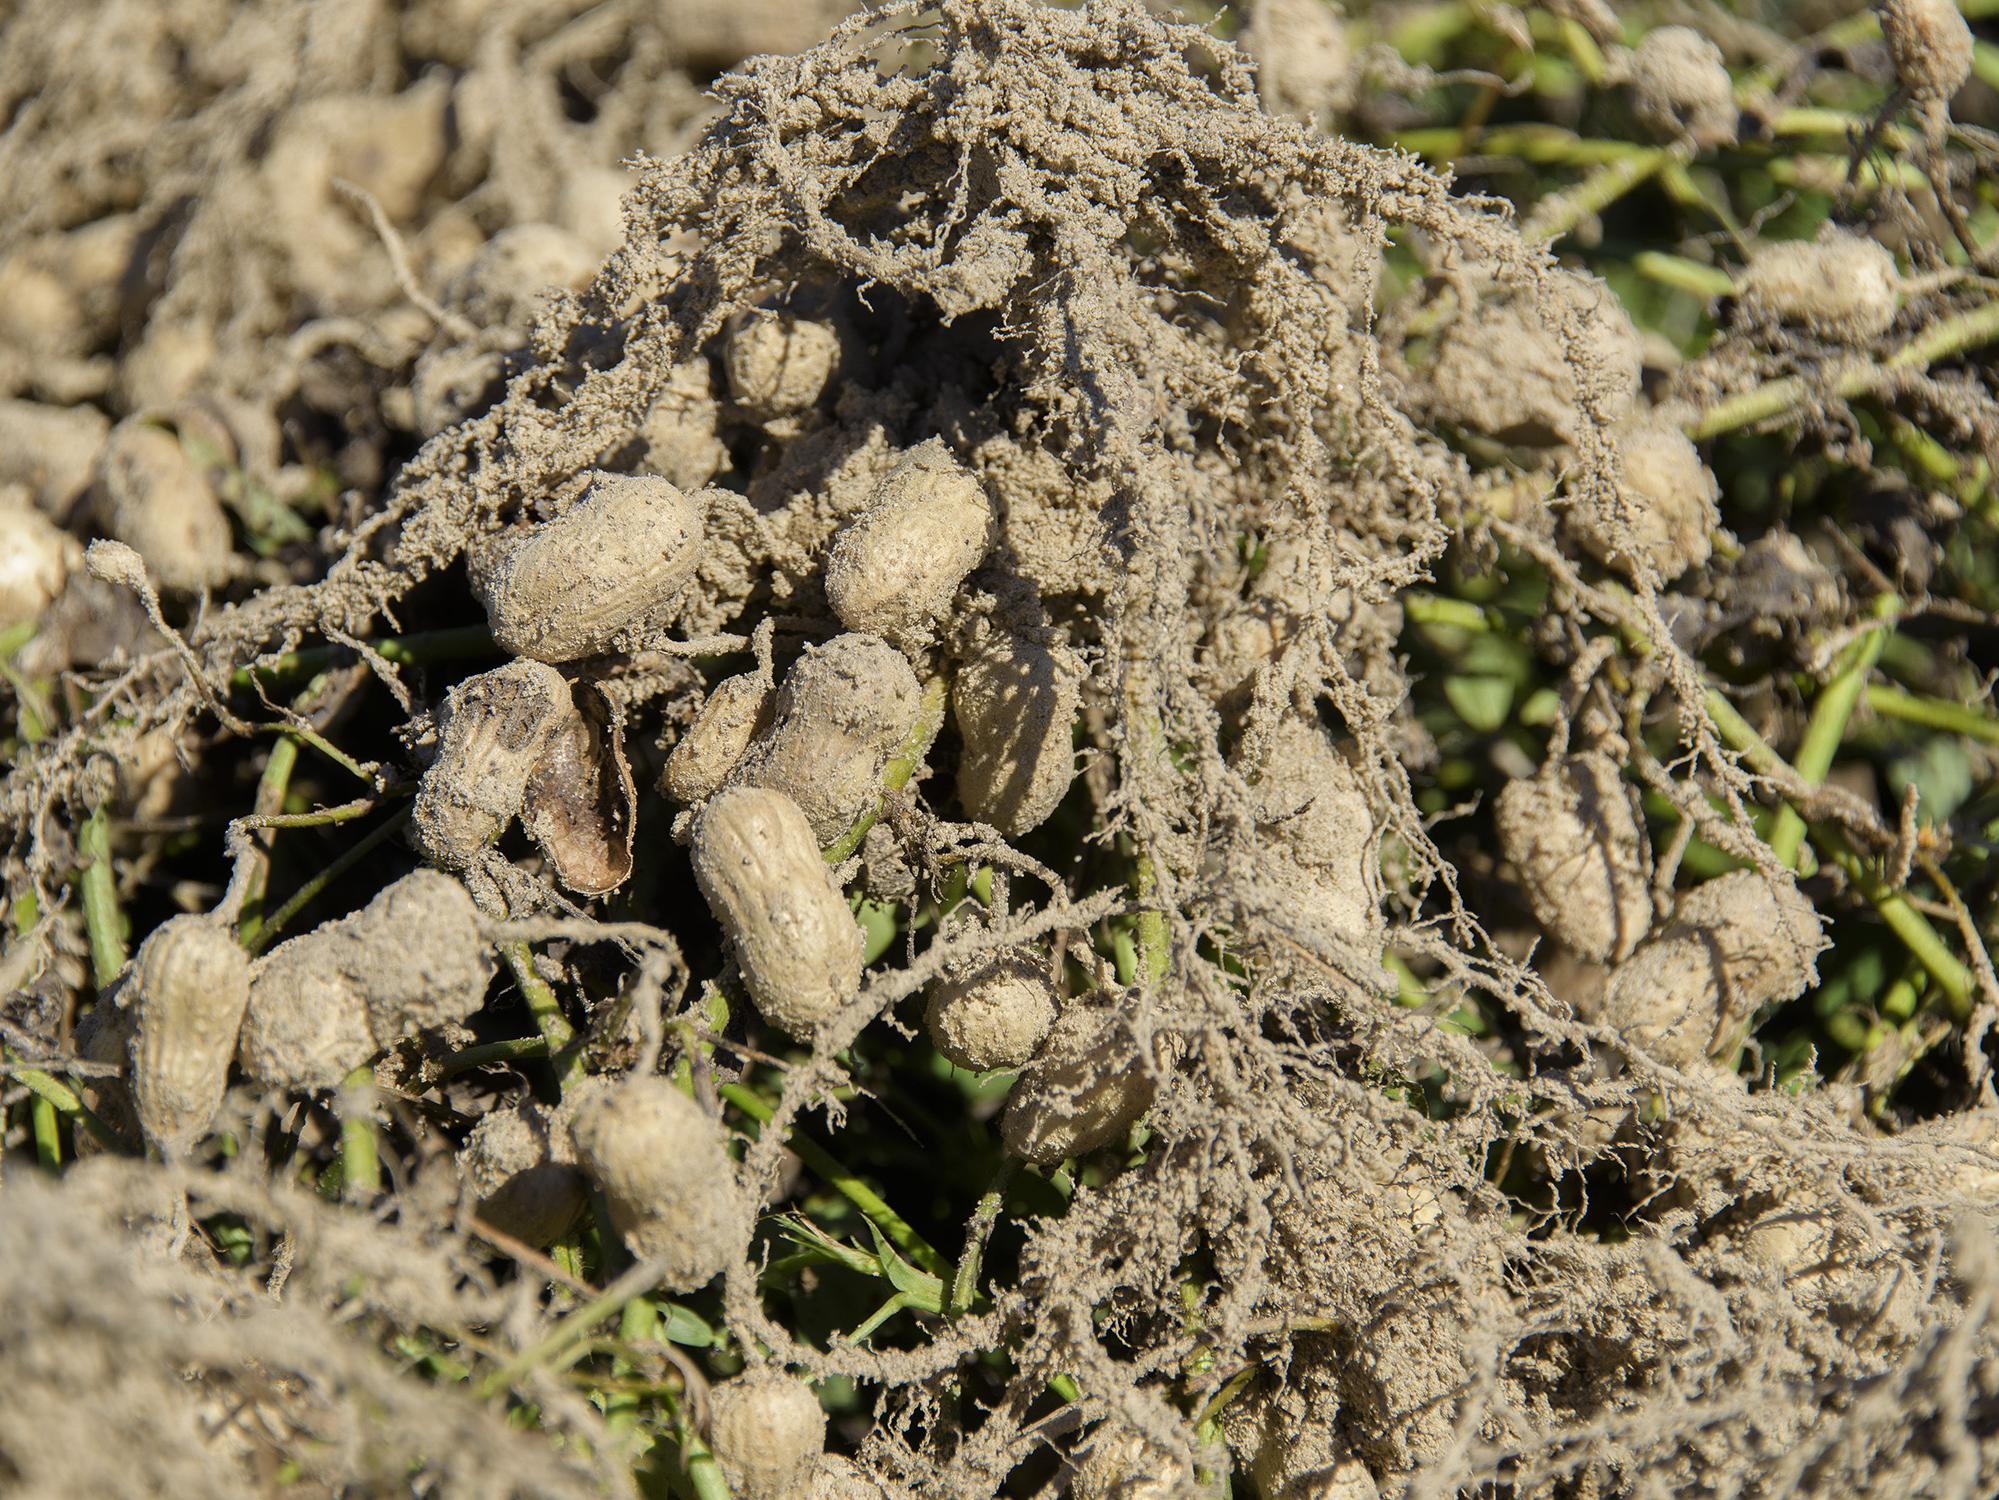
{"x": 191, "y": 981}
{"x": 895, "y": 569}
{"x": 757, "y": 862}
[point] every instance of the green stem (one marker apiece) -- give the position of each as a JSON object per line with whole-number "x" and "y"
{"x": 1437, "y": 609}
{"x": 1933, "y": 713}
{"x": 704, "y": 1475}
{"x": 1153, "y": 949}
{"x": 546, "y": 1009}
{"x": 360, "y": 1156}
{"x": 513, "y": 1049}
{"x": 272, "y": 787}
{"x": 902, "y": 765}
{"x": 572, "y": 1330}
{"x": 1688, "y": 275}
{"x": 102, "y": 920}
{"x": 1827, "y": 726}
{"x": 830, "y": 1170}
{"x": 260, "y": 938}
{"x": 1555, "y": 216}
{"x": 48, "y": 1134}
{"x": 965, "y": 1285}
{"x": 407, "y": 650}
{"x": 59, "y": 1096}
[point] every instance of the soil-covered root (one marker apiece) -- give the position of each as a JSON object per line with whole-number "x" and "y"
{"x": 767, "y": 1432}
{"x": 1576, "y": 839}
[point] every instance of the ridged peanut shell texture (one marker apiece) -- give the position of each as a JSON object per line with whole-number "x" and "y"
{"x": 191, "y": 981}
{"x": 896, "y": 567}
{"x": 767, "y": 1430}
{"x": 758, "y": 864}
{"x": 665, "y": 1173}
{"x": 737, "y": 710}
{"x": 491, "y": 730}
{"x": 576, "y": 585}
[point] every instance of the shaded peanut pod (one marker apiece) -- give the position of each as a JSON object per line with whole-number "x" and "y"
{"x": 1737, "y": 943}
{"x": 491, "y": 731}
{"x": 1015, "y": 703}
{"x": 759, "y": 867}
{"x": 155, "y": 499}
{"x": 895, "y": 568}
{"x": 992, "y": 1011}
{"x": 1317, "y": 862}
{"x": 841, "y": 712}
{"x": 602, "y": 570}
{"x": 678, "y": 439}
{"x": 35, "y": 559}
{"x": 580, "y": 806}
{"x": 737, "y": 710}
{"x": 767, "y": 1430}
{"x": 1669, "y": 502}
{"x": 665, "y": 1174}
{"x": 778, "y": 362}
{"x": 519, "y": 1166}
{"x": 1084, "y": 1089}
{"x": 324, "y": 1003}
{"x": 190, "y": 984}
{"x": 53, "y": 450}
{"x": 1841, "y": 285}
{"x": 1576, "y": 840}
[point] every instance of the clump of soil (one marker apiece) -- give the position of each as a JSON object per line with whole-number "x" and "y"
{"x": 979, "y": 486}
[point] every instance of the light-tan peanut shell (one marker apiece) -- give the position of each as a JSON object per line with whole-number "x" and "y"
{"x": 678, "y": 439}
{"x": 491, "y": 730}
{"x": 35, "y": 558}
{"x": 778, "y": 362}
{"x": 1841, "y": 285}
{"x": 1680, "y": 87}
{"x": 993, "y": 1011}
{"x": 1668, "y": 497}
{"x": 576, "y": 585}
{"x": 1015, "y": 703}
{"x": 190, "y": 983}
{"x": 737, "y": 710}
{"x": 1121, "y": 1465}
{"x": 1084, "y": 1089}
{"x": 759, "y": 866}
{"x": 841, "y": 712}
{"x": 1734, "y": 946}
{"x": 155, "y": 499}
{"x": 1577, "y": 843}
{"x": 323, "y": 1003}
{"x": 767, "y": 1430}
{"x": 520, "y": 1169}
{"x": 666, "y": 1175}
{"x": 53, "y": 450}
{"x": 1931, "y": 45}
{"x": 894, "y": 569}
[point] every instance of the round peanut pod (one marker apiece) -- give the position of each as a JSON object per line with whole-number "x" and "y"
{"x": 154, "y": 498}
{"x": 508, "y": 279}
{"x": 678, "y": 439}
{"x": 520, "y": 1170}
{"x": 491, "y": 730}
{"x": 759, "y": 867}
{"x": 895, "y": 568}
{"x": 1841, "y": 286}
{"x": 666, "y": 1175}
{"x": 737, "y": 710}
{"x": 576, "y": 585}
{"x": 1015, "y": 704}
{"x": 35, "y": 558}
{"x": 53, "y": 450}
{"x": 1506, "y": 367}
{"x": 324, "y": 1003}
{"x": 1304, "y": 62}
{"x": 1577, "y": 843}
{"x": 1121, "y": 1465}
{"x": 993, "y": 1011}
{"x": 778, "y": 362}
{"x": 1681, "y": 89}
{"x": 767, "y": 1431}
{"x": 841, "y": 712}
{"x": 1085, "y": 1088}
{"x": 1930, "y": 43}
{"x": 191, "y": 982}
{"x": 1670, "y": 501}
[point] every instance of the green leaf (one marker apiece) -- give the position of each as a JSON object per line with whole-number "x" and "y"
{"x": 684, "y": 1326}
{"x": 1482, "y": 702}
{"x": 919, "y": 1287}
